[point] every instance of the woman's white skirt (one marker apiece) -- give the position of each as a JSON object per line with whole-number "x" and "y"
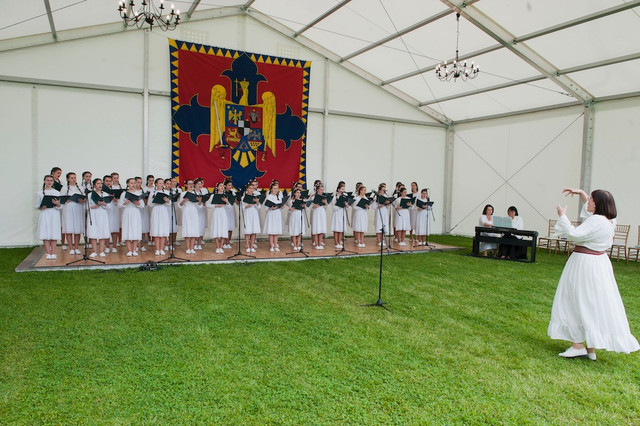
{"x": 273, "y": 222}
{"x": 403, "y": 220}
{"x": 587, "y": 306}
{"x": 131, "y": 223}
{"x": 73, "y": 218}
{"x": 190, "y": 220}
{"x": 360, "y": 221}
{"x": 339, "y": 220}
{"x": 381, "y": 218}
{"x": 218, "y": 226}
{"x": 423, "y": 227}
{"x": 49, "y": 227}
{"x": 251, "y": 221}
{"x": 113, "y": 212}
{"x": 160, "y": 222}
{"x": 144, "y": 219}
{"x": 98, "y": 226}
{"x": 297, "y": 223}
{"x": 231, "y": 217}
{"x": 319, "y": 221}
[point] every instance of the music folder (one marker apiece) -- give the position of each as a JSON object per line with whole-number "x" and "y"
{"x": 423, "y": 204}
{"x": 250, "y": 199}
{"x": 129, "y": 196}
{"x": 47, "y": 201}
{"x": 298, "y": 204}
{"x": 219, "y": 199}
{"x": 160, "y": 198}
{"x": 405, "y": 203}
{"x": 363, "y": 203}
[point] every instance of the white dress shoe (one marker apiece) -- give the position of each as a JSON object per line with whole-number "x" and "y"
{"x": 64, "y": 247}
{"x": 573, "y": 353}
{"x": 143, "y": 248}
{"x": 103, "y": 255}
{"x": 162, "y": 252}
{"x": 107, "y": 250}
{"x": 94, "y": 254}
{"x": 114, "y": 250}
{"x": 277, "y": 248}
{"x": 157, "y": 253}
{"x": 253, "y": 250}
{"x": 48, "y": 257}
{"x": 592, "y": 356}
{"x": 135, "y": 253}
{"x": 272, "y": 249}
{"x": 129, "y": 254}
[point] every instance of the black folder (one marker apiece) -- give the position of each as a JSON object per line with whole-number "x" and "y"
{"x": 219, "y": 199}
{"x": 405, "y": 203}
{"x": 423, "y": 204}
{"x": 160, "y": 198}
{"x": 298, "y": 204}
{"x": 250, "y": 199}
{"x": 57, "y": 186}
{"x": 131, "y": 196}
{"x": 47, "y": 201}
{"x": 363, "y": 203}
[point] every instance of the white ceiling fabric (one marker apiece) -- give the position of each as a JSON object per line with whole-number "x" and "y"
{"x": 593, "y": 53}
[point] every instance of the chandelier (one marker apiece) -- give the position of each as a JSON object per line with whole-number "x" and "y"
{"x": 446, "y": 72}
{"x": 148, "y": 13}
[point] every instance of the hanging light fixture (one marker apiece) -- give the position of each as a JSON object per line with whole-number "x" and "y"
{"x": 148, "y": 14}
{"x": 446, "y": 72}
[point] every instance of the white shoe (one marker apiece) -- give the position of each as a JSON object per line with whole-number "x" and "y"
{"x": 198, "y": 247}
{"x": 135, "y": 253}
{"x": 272, "y": 249}
{"x": 178, "y": 244}
{"x": 592, "y": 356}
{"x": 361, "y": 245}
{"x": 103, "y": 255}
{"x": 292, "y": 245}
{"x": 322, "y": 243}
{"x": 248, "y": 250}
{"x": 143, "y": 248}
{"x": 94, "y": 254}
{"x": 48, "y": 257}
{"x": 162, "y": 252}
{"x": 402, "y": 243}
{"x": 277, "y": 248}
{"x": 573, "y": 353}
{"x": 277, "y": 245}
{"x": 157, "y": 253}
{"x": 296, "y": 248}
{"x": 121, "y": 244}
{"x": 255, "y": 245}
{"x": 114, "y": 250}
{"x": 107, "y": 250}
{"x": 64, "y": 247}
{"x": 253, "y": 250}
{"x": 54, "y": 256}
{"x": 313, "y": 243}
{"x": 166, "y": 247}
{"x": 129, "y": 254}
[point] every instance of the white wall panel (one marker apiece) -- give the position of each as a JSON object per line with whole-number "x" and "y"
{"x": 114, "y": 60}
{"x": 17, "y": 216}
{"x": 616, "y": 158}
{"x": 524, "y": 161}
{"x": 160, "y": 136}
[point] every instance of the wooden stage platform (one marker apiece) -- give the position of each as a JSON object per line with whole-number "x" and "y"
{"x": 36, "y": 260}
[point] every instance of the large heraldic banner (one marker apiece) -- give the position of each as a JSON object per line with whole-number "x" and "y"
{"x": 237, "y": 115}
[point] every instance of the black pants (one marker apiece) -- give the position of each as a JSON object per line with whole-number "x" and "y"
{"x": 506, "y": 249}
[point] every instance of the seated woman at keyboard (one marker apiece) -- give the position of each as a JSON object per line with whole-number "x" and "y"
{"x": 487, "y": 220}
{"x": 508, "y": 250}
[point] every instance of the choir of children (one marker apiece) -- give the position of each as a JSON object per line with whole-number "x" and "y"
{"x": 157, "y": 210}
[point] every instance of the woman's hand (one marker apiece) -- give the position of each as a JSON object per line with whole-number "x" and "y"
{"x": 573, "y": 191}
{"x": 561, "y": 210}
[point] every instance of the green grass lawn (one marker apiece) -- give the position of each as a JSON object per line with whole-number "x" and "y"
{"x": 289, "y": 342}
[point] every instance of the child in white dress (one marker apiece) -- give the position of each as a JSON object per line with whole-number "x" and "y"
{"x": 273, "y": 217}
{"x": 218, "y": 227}
{"x": 131, "y": 203}
{"x": 49, "y": 224}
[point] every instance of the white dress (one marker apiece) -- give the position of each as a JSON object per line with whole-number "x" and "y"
{"x": 49, "y": 225}
{"x": 587, "y": 306}
{"x": 202, "y": 214}
{"x": 145, "y": 213}
{"x": 190, "y": 217}
{"x": 159, "y": 220}
{"x": 251, "y": 217}
{"x": 339, "y": 218}
{"x": 318, "y": 219}
{"x": 380, "y": 218}
{"x": 218, "y": 226}
{"x": 177, "y": 211}
{"x": 172, "y": 212}
{"x": 487, "y": 246}
{"x": 131, "y": 218}
{"x": 403, "y": 217}
{"x": 360, "y": 219}
{"x": 297, "y": 221}
{"x": 413, "y": 211}
{"x": 423, "y": 225}
{"x": 273, "y": 218}
{"x": 114, "y": 216}
{"x": 98, "y": 226}
{"x": 72, "y": 213}
{"x": 231, "y": 212}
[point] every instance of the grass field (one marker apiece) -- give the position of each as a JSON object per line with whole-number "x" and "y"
{"x": 289, "y": 342}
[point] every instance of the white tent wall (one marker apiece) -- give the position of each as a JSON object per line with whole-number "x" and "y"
{"x": 79, "y": 105}
{"x": 522, "y": 160}
{"x": 616, "y": 158}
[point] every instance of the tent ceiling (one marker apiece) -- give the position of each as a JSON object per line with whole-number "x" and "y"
{"x": 565, "y": 52}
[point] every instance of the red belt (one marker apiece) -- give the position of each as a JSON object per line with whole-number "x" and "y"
{"x": 584, "y": 250}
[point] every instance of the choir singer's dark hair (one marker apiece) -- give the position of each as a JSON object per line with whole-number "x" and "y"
{"x": 484, "y": 211}
{"x": 605, "y": 204}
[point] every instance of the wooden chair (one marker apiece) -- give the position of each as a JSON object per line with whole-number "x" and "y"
{"x": 550, "y": 242}
{"x": 620, "y": 241}
{"x": 635, "y": 248}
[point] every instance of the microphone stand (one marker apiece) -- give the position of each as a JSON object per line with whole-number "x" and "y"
{"x": 379, "y": 303}
{"x": 240, "y": 216}
{"x": 87, "y": 212}
{"x": 345, "y": 220}
{"x": 385, "y": 236}
{"x": 172, "y": 257}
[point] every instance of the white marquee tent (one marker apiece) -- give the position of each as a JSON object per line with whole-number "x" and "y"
{"x": 555, "y": 104}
